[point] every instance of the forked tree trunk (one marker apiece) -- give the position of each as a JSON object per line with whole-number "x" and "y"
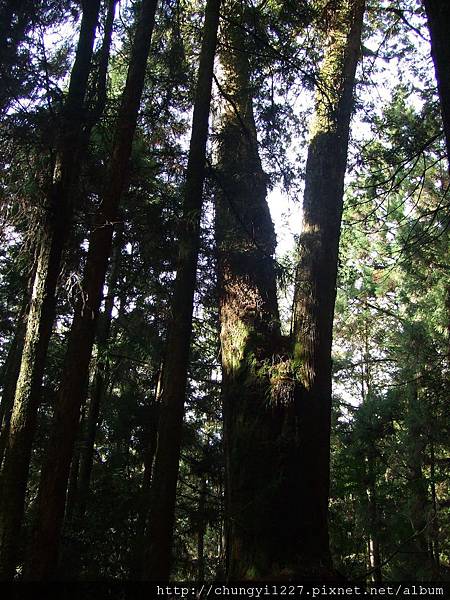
{"x": 55, "y": 231}
{"x": 315, "y": 287}
{"x": 438, "y": 15}
{"x": 157, "y": 562}
{"x": 249, "y": 321}
{"x": 53, "y": 484}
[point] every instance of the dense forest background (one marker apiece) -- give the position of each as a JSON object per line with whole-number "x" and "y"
{"x": 180, "y": 397}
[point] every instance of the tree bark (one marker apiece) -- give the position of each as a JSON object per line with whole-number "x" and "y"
{"x": 250, "y": 329}
{"x": 42, "y": 309}
{"x": 157, "y": 562}
{"x": 438, "y": 15}
{"x": 315, "y": 286}
{"x": 52, "y": 490}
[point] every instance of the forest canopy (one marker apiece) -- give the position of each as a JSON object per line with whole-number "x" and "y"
{"x": 224, "y": 290}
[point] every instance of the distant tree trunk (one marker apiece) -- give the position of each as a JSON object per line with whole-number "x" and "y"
{"x": 157, "y": 561}
{"x": 99, "y": 385}
{"x": 72, "y": 488}
{"x": 438, "y": 15}
{"x": 435, "y": 524}
{"x": 42, "y": 308}
{"x": 373, "y": 525}
{"x": 151, "y": 438}
{"x": 11, "y": 373}
{"x": 419, "y": 510}
{"x": 250, "y": 329}
{"x": 315, "y": 286}
{"x": 373, "y": 528}
{"x": 201, "y": 531}
{"x": 52, "y": 490}
{"x": 103, "y": 62}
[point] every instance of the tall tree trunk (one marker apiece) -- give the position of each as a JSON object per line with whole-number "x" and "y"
{"x": 53, "y": 484}
{"x": 250, "y": 329}
{"x": 315, "y": 286}
{"x": 80, "y": 471}
{"x": 42, "y": 309}
{"x": 438, "y": 15}
{"x": 157, "y": 561}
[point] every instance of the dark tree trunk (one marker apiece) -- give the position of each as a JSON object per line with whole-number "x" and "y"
{"x": 201, "y": 531}
{"x": 80, "y": 470}
{"x": 103, "y": 62}
{"x": 157, "y": 562}
{"x": 99, "y": 386}
{"x": 42, "y": 308}
{"x": 72, "y": 488}
{"x": 151, "y": 437}
{"x": 373, "y": 521}
{"x": 438, "y": 15}
{"x": 420, "y": 561}
{"x": 52, "y": 491}
{"x": 315, "y": 287}
{"x": 250, "y": 329}
{"x": 435, "y": 523}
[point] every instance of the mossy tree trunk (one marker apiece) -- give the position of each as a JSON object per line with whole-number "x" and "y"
{"x": 438, "y": 15}
{"x": 55, "y": 231}
{"x": 254, "y": 416}
{"x": 55, "y": 473}
{"x": 157, "y": 562}
{"x": 315, "y": 286}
